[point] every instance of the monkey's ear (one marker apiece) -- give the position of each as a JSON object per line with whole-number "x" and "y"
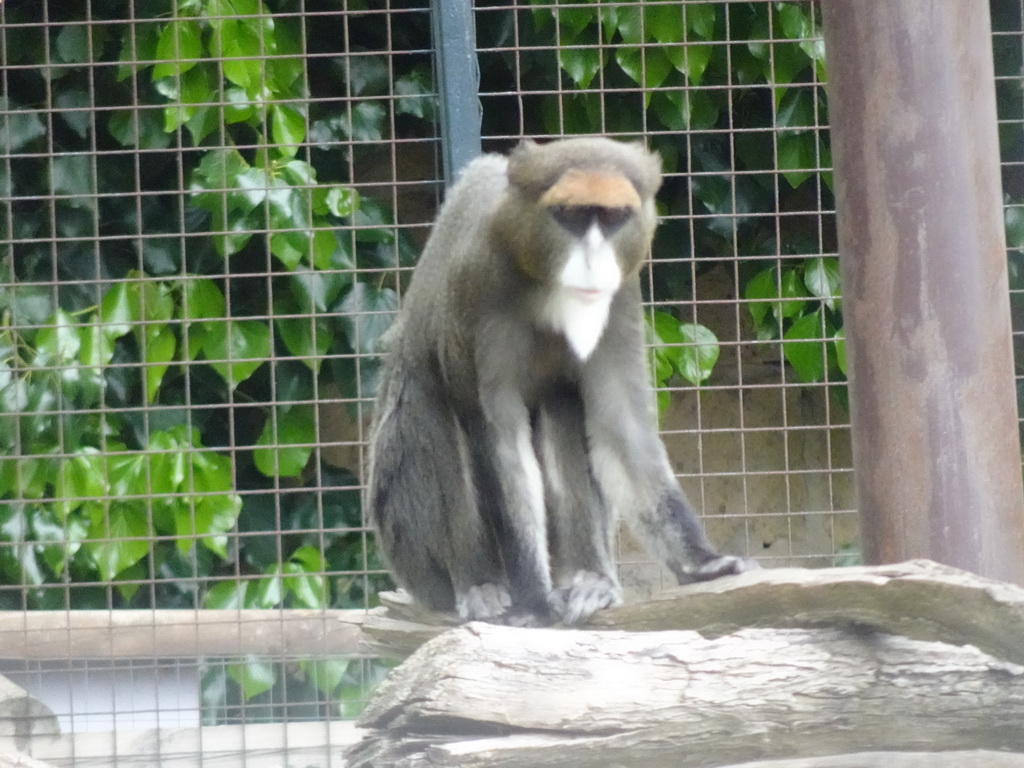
{"x": 650, "y": 163}
{"x": 524, "y": 147}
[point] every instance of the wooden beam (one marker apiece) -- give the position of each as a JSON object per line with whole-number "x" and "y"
{"x": 41, "y": 635}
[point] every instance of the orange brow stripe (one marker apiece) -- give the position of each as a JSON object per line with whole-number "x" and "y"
{"x": 582, "y": 188}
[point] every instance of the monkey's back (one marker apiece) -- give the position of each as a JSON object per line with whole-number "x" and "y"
{"x": 451, "y": 280}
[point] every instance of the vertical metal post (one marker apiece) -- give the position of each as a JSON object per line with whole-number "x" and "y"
{"x": 458, "y": 82}
{"x": 925, "y": 299}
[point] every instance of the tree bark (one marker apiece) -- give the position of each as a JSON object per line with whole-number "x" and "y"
{"x": 837, "y": 668}
{"x": 919, "y": 599}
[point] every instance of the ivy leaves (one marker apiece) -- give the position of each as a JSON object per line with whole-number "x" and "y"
{"x": 800, "y": 304}
{"x": 687, "y": 349}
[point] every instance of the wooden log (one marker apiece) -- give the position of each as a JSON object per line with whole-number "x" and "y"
{"x": 15, "y": 760}
{"x": 142, "y": 634}
{"x": 503, "y": 697}
{"x": 919, "y": 599}
{"x": 975, "y": 758}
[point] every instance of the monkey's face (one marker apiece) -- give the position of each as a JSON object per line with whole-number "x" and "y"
{"x": 596, "y": 233}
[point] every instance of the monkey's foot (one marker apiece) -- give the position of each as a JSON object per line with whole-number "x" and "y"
{"x": 588, "y": 593}
{"x": 723, "y": 565}
{"x": 483, "y": 602}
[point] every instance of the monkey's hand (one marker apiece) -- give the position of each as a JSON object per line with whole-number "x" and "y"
{"x": 483, "y": 602}
{"x": 723, "y": 565}
{"x": 588, "y": 593}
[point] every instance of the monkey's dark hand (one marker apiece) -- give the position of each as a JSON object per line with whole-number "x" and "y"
{"x": 484, "y": 602}
{"x": 723, "y": 565}
{"x": 589, "y": 593}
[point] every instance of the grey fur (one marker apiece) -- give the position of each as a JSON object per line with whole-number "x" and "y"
{"x": 499, "y": 460}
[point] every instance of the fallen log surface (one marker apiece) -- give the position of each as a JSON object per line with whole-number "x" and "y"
{"x": 484, "y": 695}
{"x": 976, "y": 758}
{"x": 837, "y": 668}
{"x": 919, "y": 599}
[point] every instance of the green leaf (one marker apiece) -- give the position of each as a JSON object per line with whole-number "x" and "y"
{"x": 700, "y": 18}
{"x": 287, "y": 128}
{"x": 307, "y": 338}
{"x": 314, "y": 290}
{"x": 1014, "y": 221}
{"x": 342, "y": 201}
{"x": 236, "y": 348}
{"x": 368, "y": 75}
{"x": 367, "y": 123}
{"x": 804, "y": 347}
{"x": 840, "y": 342}
{"x": 792, "y": 288}
{"x": 142, "y": 128}
{"x": 796, "y": 109}
{"x": 304, "y": 577}
{"x": 759, "y": 288}
{"x": 325, "y": 674}
{"x": 74, "y": 176}
{"x": 795, "y": 21}
{"x": 74, "y": 109}
{"x": 648, "y": 67}
{"x": 58, "y": 343}
{"x": 127, "y": 473}
{"x": 147, "y": 300}
{"x": 97, "y": 347}
{"x": 217, "y": 508}
{"x": 269, "y": 591}
{"x": 226, "y": 595}
{"x": 254, "y": 677}
{"x": 80, "y": 477}
{"x": 797, "y": 156}
{"x": 240, "y": 43}
{"x": 201, "y": 300}
{"x": 573, "y": 20}
{"x": 581, "y": 64}
{"x": 414, "y": 95}
{"x": 663, "y": 22}
{"x": 289, "y": 440}
{"x": 821, "y": 276}
{"x": 72, "y": 44}
{"x": 118, "y": 539}
{"x": 299, "y": 173}
{"x": 158, "y": 350}
{"x": 116, "y": 313}
{"x": 630, "y": 24}
{"x": 695, "y": 62}
{"x": 180, "y": 41}
{"x": 697, "y": 359}
{"x": 18, "y": 127}
{"x": 366, "y": 312}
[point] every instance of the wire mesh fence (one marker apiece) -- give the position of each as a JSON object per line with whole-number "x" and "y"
{"x": 210, "y": 210}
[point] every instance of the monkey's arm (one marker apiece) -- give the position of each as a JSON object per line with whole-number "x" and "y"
{"x": 629, "y": 459}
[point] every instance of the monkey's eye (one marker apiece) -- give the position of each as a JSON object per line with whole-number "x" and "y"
{"x": 577, "y": 219}
{"x": 612, "y": 219}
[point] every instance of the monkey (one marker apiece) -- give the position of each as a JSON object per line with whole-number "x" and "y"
{"x": 514, "y": 421}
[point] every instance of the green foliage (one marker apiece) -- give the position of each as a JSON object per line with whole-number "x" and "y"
{"x": 800, "y": 304}
{"x": 115, "y": 382}
{"x": 686, "y": 349}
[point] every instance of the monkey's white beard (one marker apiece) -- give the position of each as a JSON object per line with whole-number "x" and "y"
{"x": 582, "y": 319}
{"x": 578, "y": 306}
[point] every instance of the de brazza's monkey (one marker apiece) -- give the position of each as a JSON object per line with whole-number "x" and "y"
{"x": 515, "y": 419}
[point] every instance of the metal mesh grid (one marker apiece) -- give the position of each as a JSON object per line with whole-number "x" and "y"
{"x": 210, "y": 208}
